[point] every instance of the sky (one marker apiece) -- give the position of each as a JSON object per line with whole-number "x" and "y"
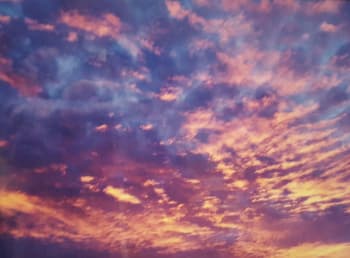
{"x": 167, "y": 128}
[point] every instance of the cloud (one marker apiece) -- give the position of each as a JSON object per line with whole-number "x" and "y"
{"x": 342, "y": 56}
{"x": 32, "y": 247}
{"x": 225, "y": 28}
{"x": 34, "y": 25}
{"x": 5, "y": 19}
{"x": 175, "y": 128}
{"x": 323, "y": 7}
{"x": 121, "y": 195}
{"x": 108, "y": 26}
{"x": 315, "y": 250}
{"x": 25, "y": 86}
{"x": 328, "y": 27}
{"x": 175, "y": 9}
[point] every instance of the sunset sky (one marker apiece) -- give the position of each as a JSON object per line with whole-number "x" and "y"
{"x": 181, "y": 129}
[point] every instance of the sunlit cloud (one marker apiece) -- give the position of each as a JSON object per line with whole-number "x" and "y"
{"x": 175, "y": 128}
{"x": 328, "y": 27}
{"x": 109, "y": 25}
{"x": 121, "y": 195}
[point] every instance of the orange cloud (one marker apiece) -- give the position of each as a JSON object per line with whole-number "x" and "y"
{"x": 102, "y": 128}
{"x": 86, "y": 179}
{"x": 152, "y": 228}
{"x": 316, "y": 250}
{"x": 120, "y": 195}
{"x": 146, "y": 127}
{"x": 302, "y": 149}
{"x": 169, "y": 94}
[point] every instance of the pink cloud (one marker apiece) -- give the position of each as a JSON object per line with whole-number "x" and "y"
{"x": 328, "y": 27}
{"x": 108, "y": 25}
{"x": 226, "y": 28}
{"x": 34, "y": 25}
{"x": 323, "y": 7}
{"x": 5, "y": 19}
{"x": 175, "y": 9}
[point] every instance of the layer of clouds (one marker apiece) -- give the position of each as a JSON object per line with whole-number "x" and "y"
{"x": 174, "y": 128}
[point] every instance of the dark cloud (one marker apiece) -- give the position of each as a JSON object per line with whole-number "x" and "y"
{"x": 197, "y": 98}
{"x": 298, "y": 61}
{"x": 203, "y": 135}
{"x": 266, "y": 159}
{"x": 9, "y": 98}
{"x": 40, "y": 65}
{"x": 15, "y": 42}
{"x": 29, "y": 247}
{"x": 344, "y": 122}
{"x": 193, "y": 165}
{"x": 88, "y": 91}
{"x": 334, "y": 97}
{"x": 11, "y": 8}
{"x": 42, "y": 11}
{"x": 265, "y": 94}
{"x": 342, "y": 56}
{"x": 172, "y": 190}
{"x": 332, "y": 226}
